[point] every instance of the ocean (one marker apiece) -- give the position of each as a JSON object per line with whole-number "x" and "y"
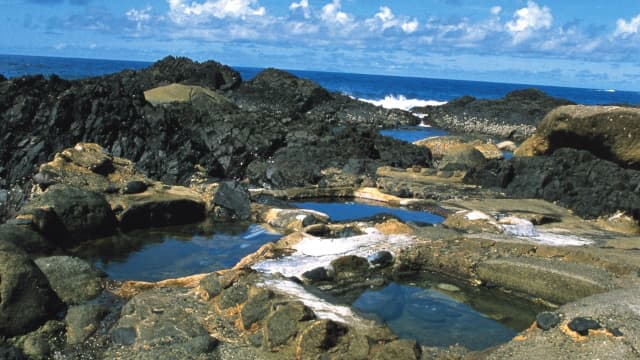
{"x": 387, "y": 91}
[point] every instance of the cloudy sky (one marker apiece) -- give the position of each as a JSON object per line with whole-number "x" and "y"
{"x": 585, "y": 43}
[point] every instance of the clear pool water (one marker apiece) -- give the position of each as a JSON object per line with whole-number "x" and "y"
{"x": 413, "y": 133}
{"x": 474, "y": 318}
{"x": 354, "y": 210}
{"x": 157, "y": 254}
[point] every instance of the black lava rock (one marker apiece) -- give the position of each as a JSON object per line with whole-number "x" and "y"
{"x": 547, "y": 320}
{"x": 615, "y": 332}
{"x": 316, "y": 275}
{"x": 381, "y": 259}
{"x": 135, "y": 187}
{"x": 583, "y": 325}
{"x": 576, "y": 179}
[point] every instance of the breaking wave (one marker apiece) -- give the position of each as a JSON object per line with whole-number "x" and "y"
{"x": 401, "y": 102}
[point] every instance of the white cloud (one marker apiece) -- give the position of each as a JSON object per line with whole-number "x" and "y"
{"x": 331, "y": 14}
{"x": 625, "y": 29}
{"x": 410, "y": 26}
{"x": 182, "y": 13}
{"x": 496, "y": 10}
{"x": 303, "y": 6}
{"x": 386, "y": 19}
{"x": 529, "y": 20}
{"x": 385, "y": 15}
{"x": 139, "y": 15}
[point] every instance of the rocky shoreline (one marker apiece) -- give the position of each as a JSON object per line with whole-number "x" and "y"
{"x": 181, "y": 142}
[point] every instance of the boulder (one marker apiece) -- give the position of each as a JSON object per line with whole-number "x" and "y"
{"x": 233, "y": 198}
{"x": 25, "y": 238}
{"x": 26, "y": 299}
{"x": 318, "y": 338}
{"x": 82, "y": 321}
{"x": 257, "y": 306}
{"x": 282, "y": 324}
{"x": 84, "y": 214}
{"x": 609, "y": 132}
{"x": 462, "y": 158}
{"x": 74, "y": 280}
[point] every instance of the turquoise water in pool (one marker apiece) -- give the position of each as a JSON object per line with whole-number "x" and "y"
{"x": 413, "y": 133}
{"x": 474, "y": 318}
{"x": 352, "y": 210}
{"x": 157, "y": 254}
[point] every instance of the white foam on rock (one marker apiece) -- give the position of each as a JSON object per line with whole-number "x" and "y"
{"x": 313, "y": 252}
{"x": 518, "y": 227}
{"x": 478, "y": 215}
{"x": 524, "y": 229}
{"x": 322, "y": 308}
{"x": 555, "y": 239}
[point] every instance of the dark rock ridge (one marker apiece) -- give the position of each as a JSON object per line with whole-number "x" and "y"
{"x": 591, "y": 187}
{"x": 222, "y": 129}
{"x": 514, "y": 116}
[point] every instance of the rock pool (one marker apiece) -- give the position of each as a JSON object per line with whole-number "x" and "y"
{"x": 413, "y": 133}
{"x": 341, "y": 210}
{"x": 437, "y": 313}
{"x": 161, "y": 253}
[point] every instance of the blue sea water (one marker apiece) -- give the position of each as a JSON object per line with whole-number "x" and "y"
{"x": 386, "y": 90}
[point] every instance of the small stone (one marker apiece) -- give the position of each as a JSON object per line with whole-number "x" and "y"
{"x": 135, "y": 187}
{"x": 615, "y": 332}
{"x": 381, "y": 259}
{"x": 583, "y": 325}
{"x": 316, "y": 275}
{"x": 547, "y": 320}
{"x": 448, "y": 287}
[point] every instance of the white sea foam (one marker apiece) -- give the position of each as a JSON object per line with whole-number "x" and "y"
{"x": 322, "y": 308}
{"x": 313, "y": 252}
{"x": 401, "y": 102}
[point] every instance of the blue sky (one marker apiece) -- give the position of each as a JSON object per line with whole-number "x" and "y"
{"x": 585, "y": 43}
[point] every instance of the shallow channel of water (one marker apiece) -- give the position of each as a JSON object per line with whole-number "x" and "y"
{"x": 413, "y": 133}
{"x": 435, "y": 313}
{"x": 340, "y": 210}
{"x": 162, "y": 253}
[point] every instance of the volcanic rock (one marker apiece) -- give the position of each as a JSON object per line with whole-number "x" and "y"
{"x": 513, "y": 117}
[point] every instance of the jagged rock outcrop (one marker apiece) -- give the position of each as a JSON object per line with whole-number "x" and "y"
{"x": 576, "y": 179}
{"x": 609, "y": 132}
{"x": 198, "y": 118}
{"x": 513, "y": 117}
